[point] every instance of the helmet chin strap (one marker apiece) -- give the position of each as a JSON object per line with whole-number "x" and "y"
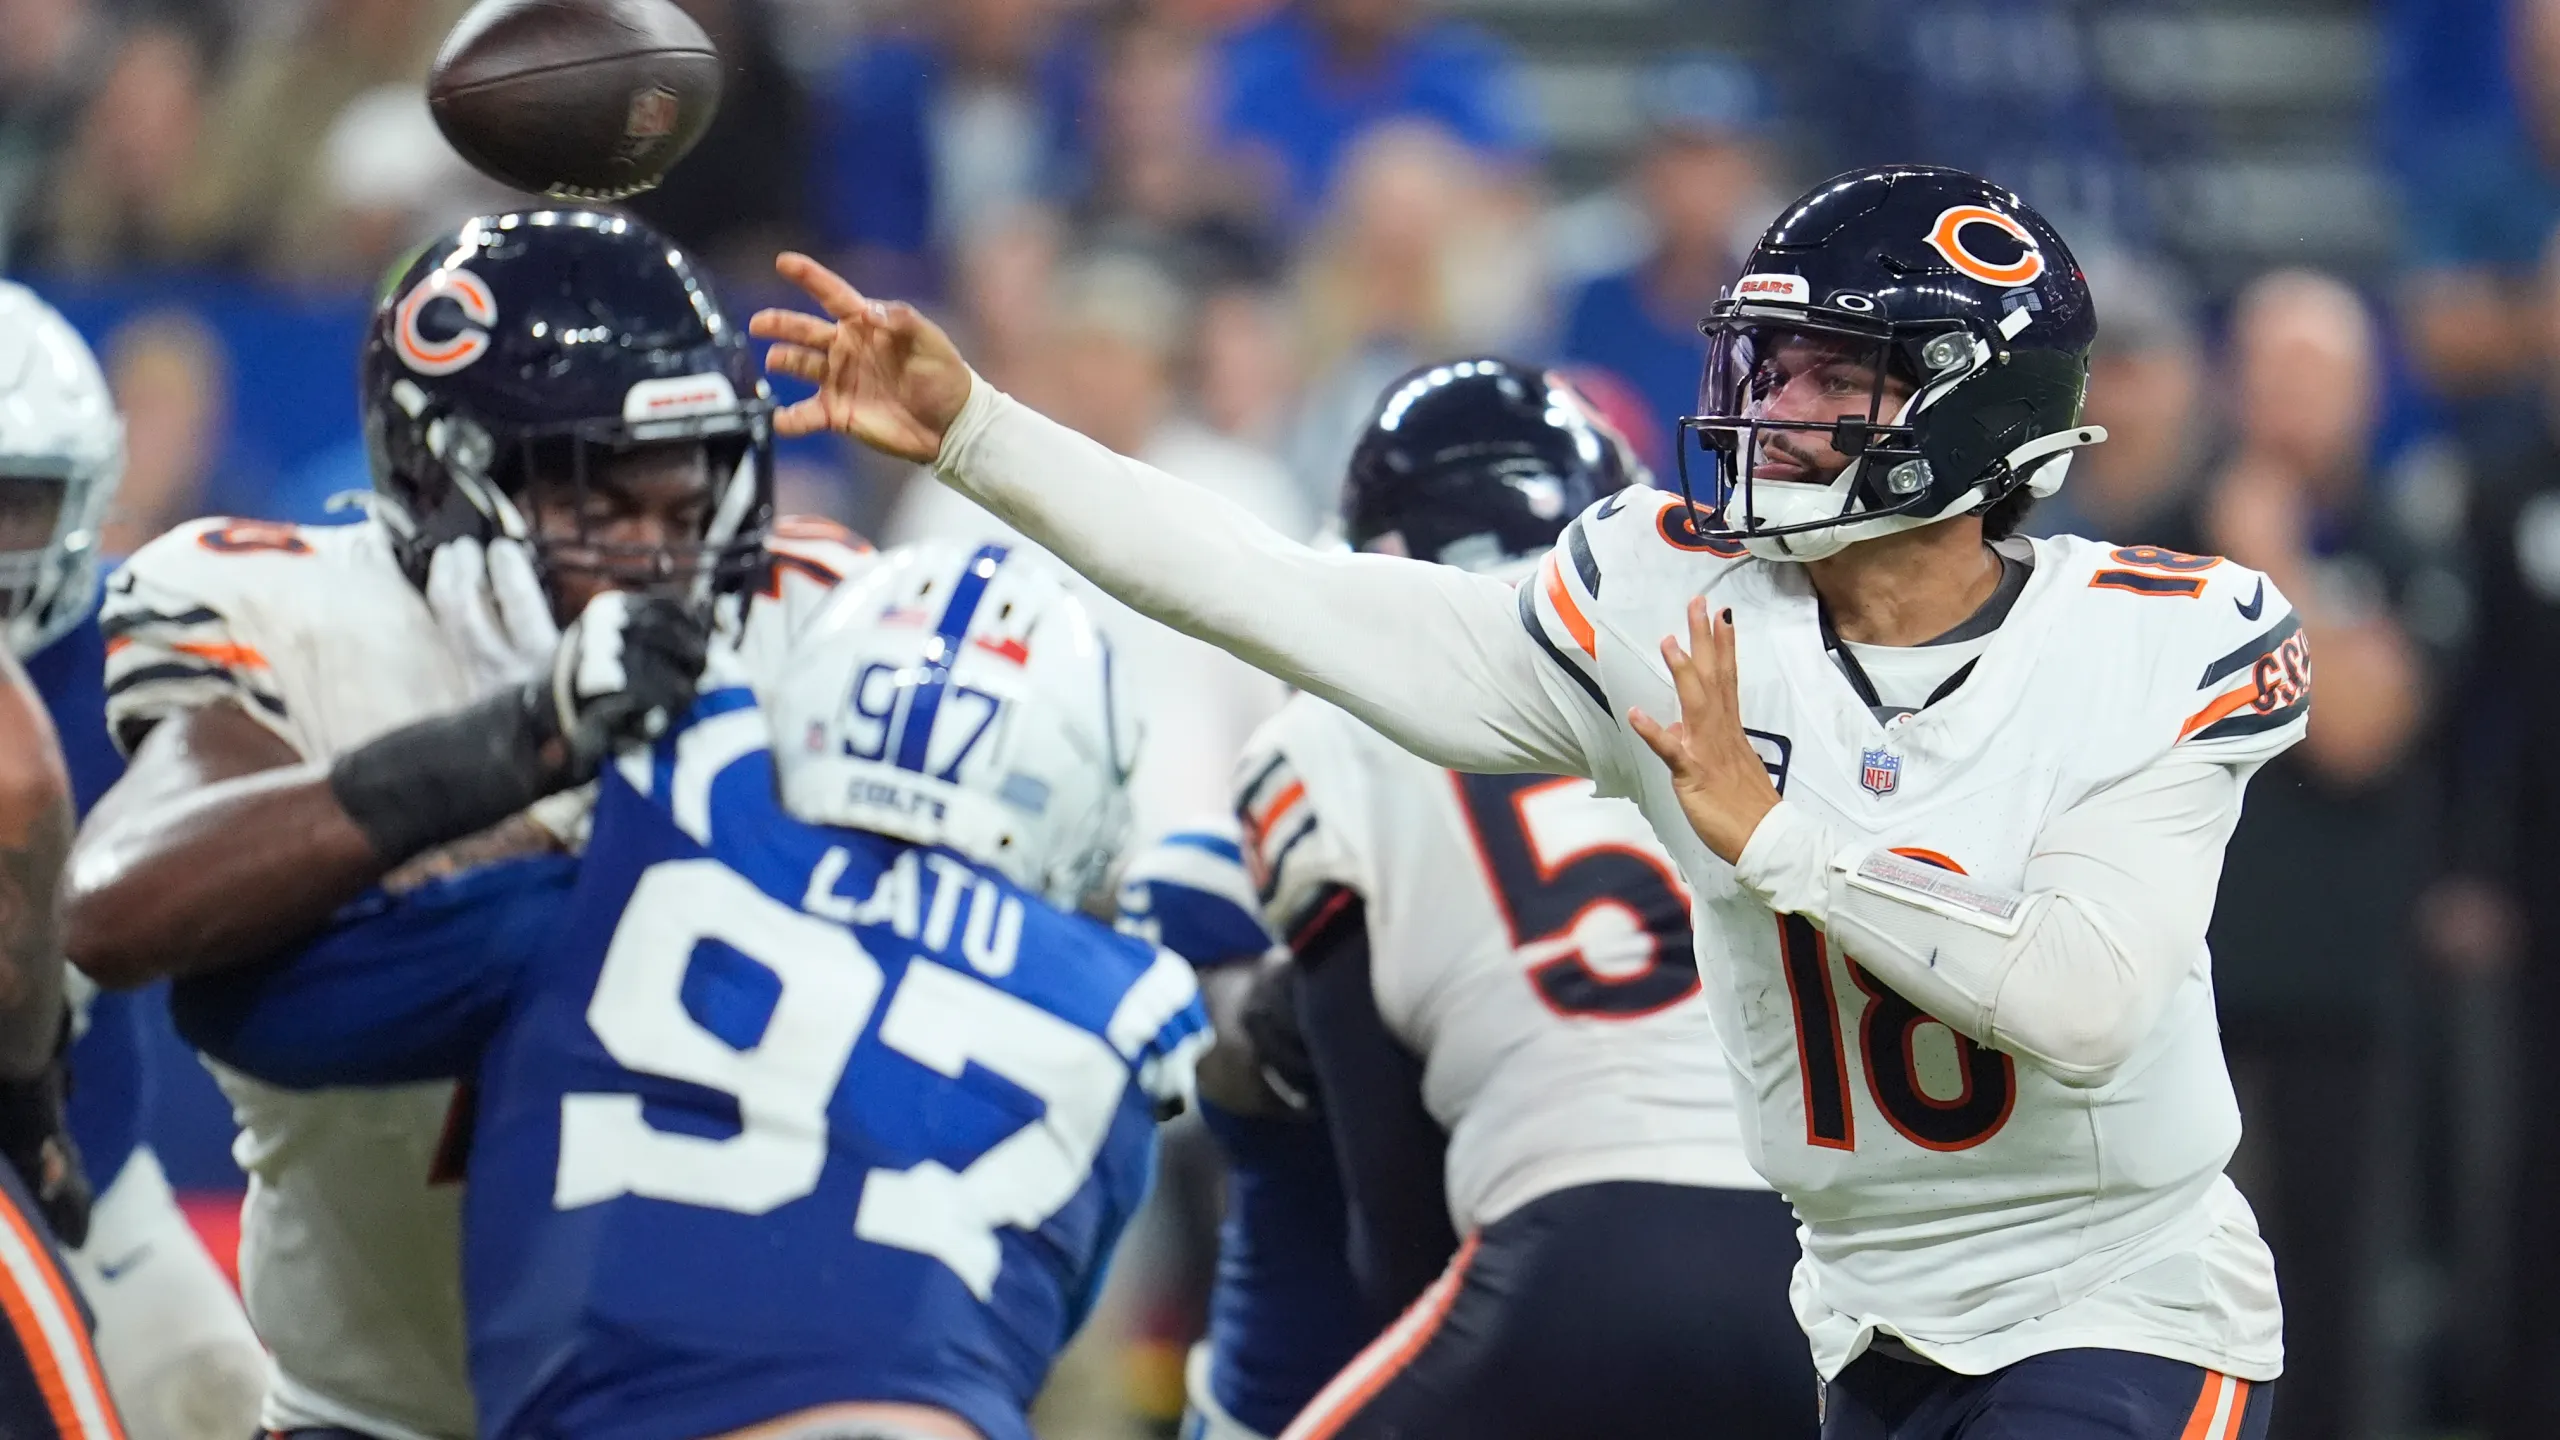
{"x": 2045, "y": 459}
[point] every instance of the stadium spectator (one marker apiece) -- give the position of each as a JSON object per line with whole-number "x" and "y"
{"x": 1157, "y": 179}
{"x": 2498, "y": 918}
{"x": 387, "y": 182}
{"x": 56, "y": 53}
{"x": 2307, "y": 969}
{"x": 923, "y": 136}
{"x": 1425, "y": 253}
{"x": 1306, "y": 84}
{"x": 1116, "y": 330}
{"x": 738, "y": 197}
{"x": 2013, "y": 88}
{"x": 2471, "y": 124}
{"x": 114, "y": 190}
{"x": 172, "y": 381}
{"x": 258, "y": 176}
{"x": 1245, "y": 362}
{"x": 1698, "y": 179}
{"x": 2146, "y": 386}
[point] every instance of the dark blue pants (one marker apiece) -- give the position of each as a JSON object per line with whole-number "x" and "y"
{"x": 2064, "y": 1395}
{"x": 50, "y": 1386}
{"x": 1622, "y": 1310}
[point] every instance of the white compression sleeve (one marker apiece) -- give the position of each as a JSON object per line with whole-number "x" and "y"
{"x": 2110, "y": 919}
{"x": 1433, "y": 657}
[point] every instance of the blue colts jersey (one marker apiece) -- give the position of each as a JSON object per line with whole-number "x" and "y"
{"x": 1285, "y": 1314}
{"x": 770, "y": 1115}
{"x": 111, "y": 1087}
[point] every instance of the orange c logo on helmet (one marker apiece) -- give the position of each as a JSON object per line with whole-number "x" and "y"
{"x": 1947, "y": 238}
{"x": 443, "y": 357}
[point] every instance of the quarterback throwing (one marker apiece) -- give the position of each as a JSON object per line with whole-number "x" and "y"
{"x": 1951, "y": 804}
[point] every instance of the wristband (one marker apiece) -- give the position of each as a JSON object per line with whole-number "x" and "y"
{"x": 439, "y": 780}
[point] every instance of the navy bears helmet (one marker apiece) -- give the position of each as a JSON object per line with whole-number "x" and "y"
{"x": 1946, "y": 330}
{"x": 1478, "y": 463}
{"x": 517, "y": 351}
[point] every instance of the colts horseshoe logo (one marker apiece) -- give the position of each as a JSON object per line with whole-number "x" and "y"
{"x": 1947, "y": 238}
{"x": 443, "y": 357}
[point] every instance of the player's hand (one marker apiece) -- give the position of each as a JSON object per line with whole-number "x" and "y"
{"x": 886, "y": 375}
{"x": 1722, "y": 784}
{"x": 489, "y": 602}
{"x": 622, "y": 674}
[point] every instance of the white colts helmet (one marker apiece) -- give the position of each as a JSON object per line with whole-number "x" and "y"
{"x": 61, "y": 454}
{"x": 959, "y": 696}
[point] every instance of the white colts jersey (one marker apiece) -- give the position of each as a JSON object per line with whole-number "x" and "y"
{"x": 1527, "y": 939}
{"x": 349, "y": 1240}
{"x": 1963, "y": 1199}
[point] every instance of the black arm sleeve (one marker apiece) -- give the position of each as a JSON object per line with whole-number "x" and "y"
{"x": 1391, "y": 1151}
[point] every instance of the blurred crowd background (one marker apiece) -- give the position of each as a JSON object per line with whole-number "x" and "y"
{"x": 2321, "y": 237}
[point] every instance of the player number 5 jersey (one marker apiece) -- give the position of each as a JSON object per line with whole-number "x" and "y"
{"x": 1529, "y": 940}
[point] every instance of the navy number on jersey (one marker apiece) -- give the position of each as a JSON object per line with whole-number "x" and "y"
{"x": 1890, "y": 1032}
{"x": 784, "y": 1076}
{"x": 1561, "y": 895}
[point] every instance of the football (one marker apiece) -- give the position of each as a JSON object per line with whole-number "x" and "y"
{"x": 575, "y": 99}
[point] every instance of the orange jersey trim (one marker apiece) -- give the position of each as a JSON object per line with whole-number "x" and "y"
{"x": 221, "y": 653}
{"x": 1281, "y": 804}
{"x": 1574, "y": 622}
{"x": 2220, "y": 706}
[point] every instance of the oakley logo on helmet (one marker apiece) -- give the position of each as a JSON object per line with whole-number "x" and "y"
{"x": 1948, "y": 238}
{"x": 430, "y": 356}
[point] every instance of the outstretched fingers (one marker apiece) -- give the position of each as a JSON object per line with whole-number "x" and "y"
{"x": 797, "y": 327}
{"x": 832, "y": 291}
{"x": 797, "y": 361}
{"x": 802, "y": 417}
{"x": 1663, "y": 741}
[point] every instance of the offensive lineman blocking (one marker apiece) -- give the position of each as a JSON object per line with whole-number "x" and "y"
{"x": 1998, "y": 773}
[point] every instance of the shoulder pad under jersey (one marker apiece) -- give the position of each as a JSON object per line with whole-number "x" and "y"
{"x": 169, "y": 618}
{"x": 1300, "y": 824}
{"x": 2229, "y": 668}
{"x": 1633, "y": 550}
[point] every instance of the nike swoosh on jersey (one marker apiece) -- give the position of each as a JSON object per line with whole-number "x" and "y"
{"x": 1611, "y": 504}
{"x": 111, "y": 1271}
{"x": 2256, "y": 602}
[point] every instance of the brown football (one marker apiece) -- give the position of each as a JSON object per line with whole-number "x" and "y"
{"x": 576, "y": 99}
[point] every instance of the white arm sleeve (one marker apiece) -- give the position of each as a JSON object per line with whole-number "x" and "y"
{"x": 2072, "y": 970}
{"x": 1432, "y": 657}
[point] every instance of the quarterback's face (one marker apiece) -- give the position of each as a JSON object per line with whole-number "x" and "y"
{"x": 636, "y": 525}
{"x": 1814, "y": 379}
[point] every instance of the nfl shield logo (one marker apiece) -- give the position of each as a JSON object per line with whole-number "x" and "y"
{"x": 1880, "y": 771}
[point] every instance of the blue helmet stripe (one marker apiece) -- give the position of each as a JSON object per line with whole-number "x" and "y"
{"x": 917, "y": 733}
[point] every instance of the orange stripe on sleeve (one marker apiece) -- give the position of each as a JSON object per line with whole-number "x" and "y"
{"x": 1574, "y": 622}
{"x": 222, "y": 654}
{"x": 1281, "y": 804}
{"x": 119, "y": 644}
{"x": 2220, "y": 706}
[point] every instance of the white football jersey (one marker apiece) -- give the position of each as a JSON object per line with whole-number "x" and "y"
{"x": 349, "y": 1251}
{"x": 1528, "y": 940}
{"x": 1972, "y": 1204}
